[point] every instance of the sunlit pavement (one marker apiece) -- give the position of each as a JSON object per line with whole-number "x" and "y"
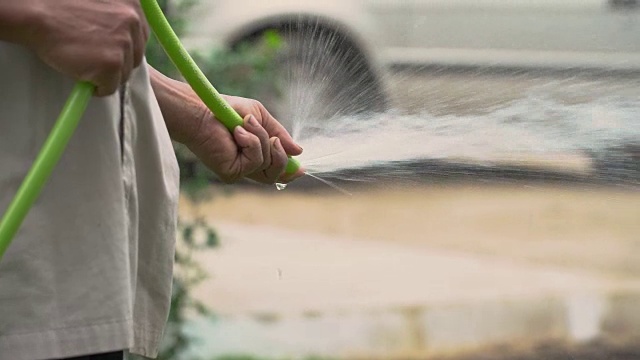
{"x": 289, "y": 293}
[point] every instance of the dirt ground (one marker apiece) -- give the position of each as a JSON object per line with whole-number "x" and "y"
{"x": 591, "y": 229}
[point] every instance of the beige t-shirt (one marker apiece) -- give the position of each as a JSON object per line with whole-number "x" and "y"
{"x": 90, "y": 269}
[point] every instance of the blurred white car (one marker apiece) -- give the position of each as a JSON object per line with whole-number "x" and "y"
{"x": 347, "y": 43}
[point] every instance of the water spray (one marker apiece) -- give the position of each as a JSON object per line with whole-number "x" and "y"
{"x": 76, "y": 105}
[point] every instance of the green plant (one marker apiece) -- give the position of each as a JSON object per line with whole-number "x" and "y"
{"x": 250, "y": 69}
{"x": 175, "y": 11}
{"x": 195, "y": 235}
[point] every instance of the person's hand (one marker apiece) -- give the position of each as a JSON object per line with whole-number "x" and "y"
{"x": 91, "y": 40}
{"x": 258, "y": 150}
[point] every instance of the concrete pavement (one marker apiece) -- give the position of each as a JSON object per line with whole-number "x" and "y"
{"x": 282, "y": 293}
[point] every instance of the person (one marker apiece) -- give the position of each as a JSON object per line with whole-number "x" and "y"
{"x": 90, "y": 270}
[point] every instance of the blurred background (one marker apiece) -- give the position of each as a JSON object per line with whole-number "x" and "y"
{"x": 477, "y": 167}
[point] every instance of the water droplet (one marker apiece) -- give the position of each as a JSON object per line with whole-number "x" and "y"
{"x": 280, "y": 186}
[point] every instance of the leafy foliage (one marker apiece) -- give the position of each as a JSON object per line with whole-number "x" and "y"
{"x": 194, "y": 236}
{"x": 174, "y": 10}
{"x": 249, "y": 70}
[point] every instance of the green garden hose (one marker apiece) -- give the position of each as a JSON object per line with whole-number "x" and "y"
{"x": 76, "y": 105}
{"x": 45, "y": 163}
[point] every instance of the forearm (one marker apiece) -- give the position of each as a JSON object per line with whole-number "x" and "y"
{"x": 183, "y": 115}
{"x": 18, "y": 21}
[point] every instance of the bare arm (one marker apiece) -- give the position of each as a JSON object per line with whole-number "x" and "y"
{"x": 183, "y": 113}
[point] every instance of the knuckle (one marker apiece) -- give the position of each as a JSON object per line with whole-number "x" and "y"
{"x": 112, "y": 61}
{"x": 256, "y": 105}
{"x": 131, "y": 16}
{"x": 122, "y": 44}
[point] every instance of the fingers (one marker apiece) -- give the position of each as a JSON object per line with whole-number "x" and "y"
{"x": 140, "y": 35}
{"x": 276, "y": 170}
{"x": 108, "y": 80}
{"x": 115, "y": 70}
{"x": 250, "y": 158}
{"x": 132, "y": 45}
{"x": 253, "y": 126}
{"x": 280, "y": 144}
{"x": 247, "y": 106}
{"x": 278, "y": 163}
{"x": 261, "y": 158}
{"x": 258, "y": 150}
{"x": 274, "y": 128}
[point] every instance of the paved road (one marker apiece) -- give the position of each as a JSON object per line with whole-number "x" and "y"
{"x": 281, "y": 293}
